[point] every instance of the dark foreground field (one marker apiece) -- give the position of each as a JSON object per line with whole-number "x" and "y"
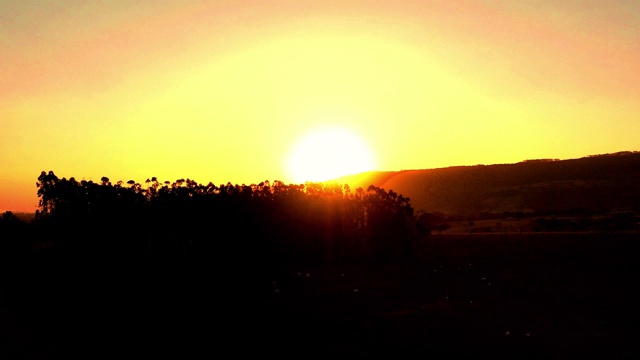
{"x": 527, "y": 296}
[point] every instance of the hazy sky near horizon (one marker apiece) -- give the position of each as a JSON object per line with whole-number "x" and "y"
{"x": 221, "y": 90}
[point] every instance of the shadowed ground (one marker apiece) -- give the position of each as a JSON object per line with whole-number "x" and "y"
{"x": 507, "y": 296}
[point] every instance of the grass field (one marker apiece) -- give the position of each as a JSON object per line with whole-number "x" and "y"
{"x": 515, "y": 296}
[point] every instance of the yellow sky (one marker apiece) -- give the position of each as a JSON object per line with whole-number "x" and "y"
{"x": 222, "y": 90}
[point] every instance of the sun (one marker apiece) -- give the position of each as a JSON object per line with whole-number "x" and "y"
{"x": 327, "y": 153}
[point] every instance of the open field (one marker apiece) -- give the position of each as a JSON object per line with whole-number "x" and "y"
{"x": 510, "y": 296}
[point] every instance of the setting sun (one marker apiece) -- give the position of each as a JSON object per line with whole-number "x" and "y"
{"x": 327, "y": 153}
{"x": 328, "y": 164}
{"x": 231, "y": 91}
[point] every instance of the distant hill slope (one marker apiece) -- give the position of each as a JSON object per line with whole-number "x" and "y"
{"x": 593, "y": 184}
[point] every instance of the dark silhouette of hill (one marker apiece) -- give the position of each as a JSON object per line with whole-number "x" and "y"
{"x": 594, "y": 184}
{"x": 184, "y": 269}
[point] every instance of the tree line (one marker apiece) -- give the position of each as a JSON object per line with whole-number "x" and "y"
{"x": 269, "y": 222}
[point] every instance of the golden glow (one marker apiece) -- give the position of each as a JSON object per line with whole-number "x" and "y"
{"x": 328, "y": 153}
{"x": 220, "y": 91}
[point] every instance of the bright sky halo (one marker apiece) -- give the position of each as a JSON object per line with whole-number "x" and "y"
{"x": 427, "y": 83}
{"x": 327, "y": 153}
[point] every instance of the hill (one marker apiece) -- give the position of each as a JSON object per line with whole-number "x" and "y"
{"x": 590, "y": 185}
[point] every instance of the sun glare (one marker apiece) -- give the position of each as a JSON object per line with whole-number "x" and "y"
{"x": 328, "y": 153}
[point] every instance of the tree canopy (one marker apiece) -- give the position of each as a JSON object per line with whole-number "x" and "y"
{"x": 264, "y": 222}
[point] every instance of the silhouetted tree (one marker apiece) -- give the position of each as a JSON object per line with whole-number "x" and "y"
{"x": 268, "y": 223}
{"x": 47, "y": 192}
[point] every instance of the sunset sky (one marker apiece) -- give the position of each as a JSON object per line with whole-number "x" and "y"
{"x": 223, "y": 91}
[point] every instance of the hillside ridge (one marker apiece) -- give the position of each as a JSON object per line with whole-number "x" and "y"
{"x": 591, "y": 184}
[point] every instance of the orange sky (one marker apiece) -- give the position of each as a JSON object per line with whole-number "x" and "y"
{"x": 222, "y": 90}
